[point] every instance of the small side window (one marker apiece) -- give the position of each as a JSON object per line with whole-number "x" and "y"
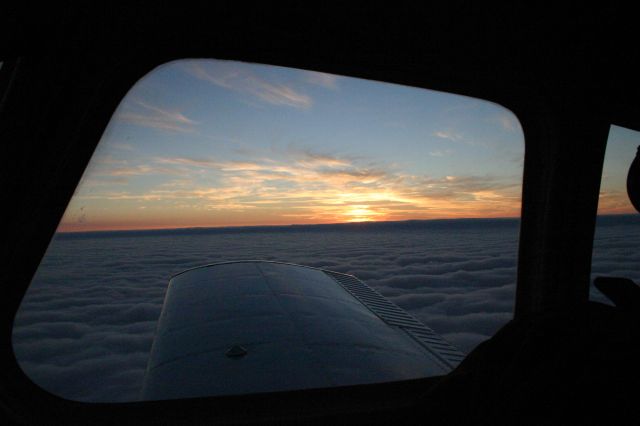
{"x": 616, "y": 247}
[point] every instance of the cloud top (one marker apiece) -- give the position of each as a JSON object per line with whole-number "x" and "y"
{"x": 86, "y": 325}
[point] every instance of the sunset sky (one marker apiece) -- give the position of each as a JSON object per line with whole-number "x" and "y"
{"x": 199, "y": 143}
{"x": 621, "y": 150}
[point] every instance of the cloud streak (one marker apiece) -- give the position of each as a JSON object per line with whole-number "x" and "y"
{"x": 449, "y": 135}
{"x": 143, "y": 114}
{"x": 243, "y": 81}
{"x": 328, "y": 81}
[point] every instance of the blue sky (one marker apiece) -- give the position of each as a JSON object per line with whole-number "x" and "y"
{"x": 220, "y": 143}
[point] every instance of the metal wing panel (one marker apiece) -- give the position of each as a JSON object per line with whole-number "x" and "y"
{"x": 395, "y": 316}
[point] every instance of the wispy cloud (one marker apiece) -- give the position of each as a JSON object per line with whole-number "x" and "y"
{"x": 447, "y": 134}
{"x": 242, "y": 81}
{"x": 322, "y": 187}
{"x": 184, "y": 161}
{"x": 328, "y": 81}
{"x": 144, "y": 114}
{"x": 509, "y": 122}
{"x": 613, "y": 201}
{"x": 142, "y": 169}
{"x": 315, "y": 159}
{"x": 468, "y": 188}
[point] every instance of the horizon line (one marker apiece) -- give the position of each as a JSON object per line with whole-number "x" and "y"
{"x": 361, "y": 223}
{"x": 364, "y": 222}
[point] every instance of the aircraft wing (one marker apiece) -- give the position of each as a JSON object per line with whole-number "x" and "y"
{"x": 256, "y": 326}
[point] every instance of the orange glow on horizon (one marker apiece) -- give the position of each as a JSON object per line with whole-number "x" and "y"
{"x": 237, "y": 206}
{"x": 353, "y": 215}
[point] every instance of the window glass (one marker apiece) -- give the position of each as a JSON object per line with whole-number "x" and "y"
{"x": 617, "y": 237}
{"x": 415, "y": 192}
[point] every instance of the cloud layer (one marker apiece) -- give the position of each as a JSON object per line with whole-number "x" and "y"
{"x": 86, "y": 325}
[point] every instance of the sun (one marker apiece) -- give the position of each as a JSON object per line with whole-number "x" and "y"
{"x": 360, "y": 214}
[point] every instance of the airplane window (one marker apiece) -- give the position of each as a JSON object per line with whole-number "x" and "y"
{"x": 616, "y": 242}
{"x": 416, "y": 193}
